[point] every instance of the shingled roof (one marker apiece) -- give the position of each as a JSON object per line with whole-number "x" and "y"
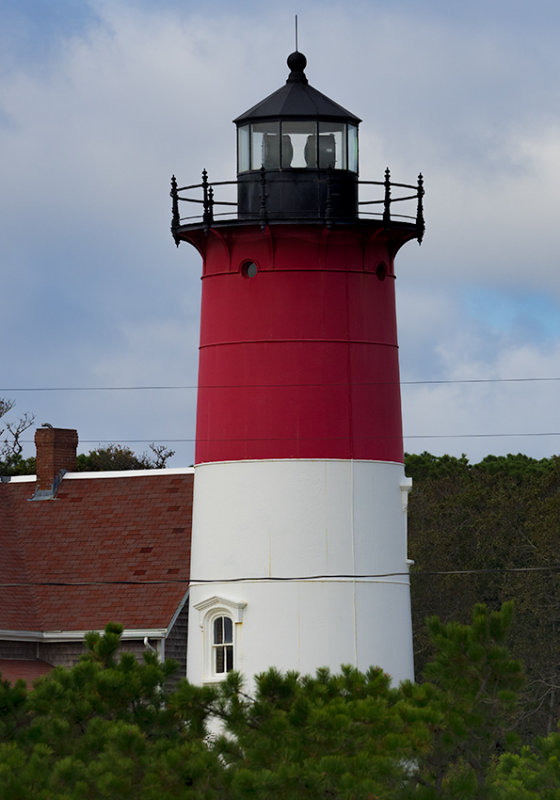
{"x": 108, "y": 546}
{"x": 13, "y": 670}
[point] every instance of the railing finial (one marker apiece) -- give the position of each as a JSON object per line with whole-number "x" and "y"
{"x": 206, "y": 204}
{"x": 387, "y": 200}
{"x": 420, "y": 224}
{"x": 175, "y": 218}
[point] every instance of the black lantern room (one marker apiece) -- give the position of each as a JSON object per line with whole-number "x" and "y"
{"x": 297, "y": 151}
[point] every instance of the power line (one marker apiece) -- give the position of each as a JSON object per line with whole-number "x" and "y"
{"x": 477, "y": 435}
{"x": 190, "y": 440}
{"x": 180, "y": 387}
{"x": 285, "y": 579}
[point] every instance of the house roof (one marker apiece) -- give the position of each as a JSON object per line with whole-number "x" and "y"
{"x": 17, "y": 668}
{"x": 109, "y": 547}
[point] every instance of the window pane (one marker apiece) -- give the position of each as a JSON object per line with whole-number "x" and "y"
{"x": 222, "y": 644}
{"x": 287, "y": 151}
{"x": 332, "y": 145}
{"x": 218, "y": 630}
{"x": 243, "y": 148}
{"x": 299, "y": 144}
{"x": 353, "y": 148}
{"x": 265, "y": 145}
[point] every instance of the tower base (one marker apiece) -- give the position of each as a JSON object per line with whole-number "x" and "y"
{"x": 307, "y": 558}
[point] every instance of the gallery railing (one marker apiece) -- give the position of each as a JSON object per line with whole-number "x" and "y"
{"x": 213, "y": 211}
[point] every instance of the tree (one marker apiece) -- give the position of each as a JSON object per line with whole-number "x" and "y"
{"x": 531, "y": 774}
{"x": 109, "y": 728}
{"x": 117, "y": 457}
{"x": 422, "y": 466}
{"x": 488, "y": 532}
{"x": 11, "y": 431}
{"x": 113, "y": 457}
{"x": 104, "y": 730}
{"x": 349, "y": 735}
{"x": 475, "y": 684}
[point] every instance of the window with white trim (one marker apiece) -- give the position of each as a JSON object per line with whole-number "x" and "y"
{"x": 220, "y": 620}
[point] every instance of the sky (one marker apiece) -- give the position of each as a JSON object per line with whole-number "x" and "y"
{"x": 102, "y": 100}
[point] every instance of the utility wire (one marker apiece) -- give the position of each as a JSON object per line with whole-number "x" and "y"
{"x": 276, "y": 579}
{"x": 288, "y": 386}
{"x": 163, "y": 387}
{"x": 405, "y": 436}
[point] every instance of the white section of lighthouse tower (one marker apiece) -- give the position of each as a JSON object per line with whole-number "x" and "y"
{"x": 314, "y": 519}
{"x": 299, "y": 519}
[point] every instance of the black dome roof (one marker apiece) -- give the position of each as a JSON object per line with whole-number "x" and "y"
{"x": 297, "y": 100}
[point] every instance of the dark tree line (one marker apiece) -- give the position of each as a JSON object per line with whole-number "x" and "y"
{"x": 494, "y": 528}
{"x": 112, "y": 457}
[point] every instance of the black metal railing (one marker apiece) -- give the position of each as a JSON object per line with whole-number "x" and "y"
{"x": 211, "y": 207}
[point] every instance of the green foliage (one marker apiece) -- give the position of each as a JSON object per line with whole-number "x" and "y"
{"x": 488, "y": 532}
{"x": 108, "y": 729}
{"x": 103, "y": 730}
{"x": 117, "y": 457}
{"x": 343, "y": 736}
{"x": 16, "y": 465}
{"x": 530, "y": 774}
{"x": 113, "y": 457}
{"x": 424, "y": 465}
{"x": 13, "y": 701}
{"x": 520, "y": 467}
{"x": 478, "y": 685}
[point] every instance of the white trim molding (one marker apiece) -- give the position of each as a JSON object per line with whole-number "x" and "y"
{"x": 215, "y": 603}
{"x": 210, "y": 609}
{"x": 406, "y": 488}
{"x": 73, "y": 636}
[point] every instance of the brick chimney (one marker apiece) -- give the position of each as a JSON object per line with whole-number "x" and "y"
{"x": 56, "y": 452}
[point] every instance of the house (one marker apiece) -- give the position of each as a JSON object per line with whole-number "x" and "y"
{"x": 80, "y": 549}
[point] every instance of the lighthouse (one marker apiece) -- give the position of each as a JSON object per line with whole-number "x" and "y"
{"x": 299, "y": 543}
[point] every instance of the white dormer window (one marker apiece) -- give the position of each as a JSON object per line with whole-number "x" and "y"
{"x": 220, "y": 620}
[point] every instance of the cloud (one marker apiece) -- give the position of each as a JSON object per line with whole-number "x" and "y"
{"x": 119, "y": 97}
{"x": 481, "y": 418}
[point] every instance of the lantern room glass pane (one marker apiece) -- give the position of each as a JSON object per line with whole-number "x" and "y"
{"x": 243, "y": 149}
{"x": 265, "y": 145}
{"x": 299, "y": 144}
{"x": 332, "y": 145}
{"x": 353, "y": 148}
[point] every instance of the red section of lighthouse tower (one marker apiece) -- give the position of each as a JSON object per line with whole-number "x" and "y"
{"x": 300, "y": 359}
